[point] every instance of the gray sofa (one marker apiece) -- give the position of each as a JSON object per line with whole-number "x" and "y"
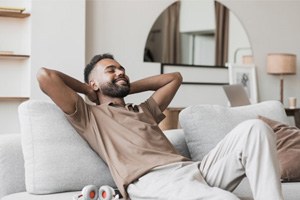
{"x": 48, "y": 160}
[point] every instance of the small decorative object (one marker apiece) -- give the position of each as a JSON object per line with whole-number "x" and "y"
{"x": 11, "y": 9}
{"x": 245, "y": 75}
{"x": 248, "y": 59}
{"x": 91, "y": 192}
{"x": 281, "y": 64}
{"x": 292, "y": 102}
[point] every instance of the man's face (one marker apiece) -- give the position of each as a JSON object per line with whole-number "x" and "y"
{"x": 111, "y": 79}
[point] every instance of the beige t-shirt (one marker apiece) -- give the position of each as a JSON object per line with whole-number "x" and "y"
{"x": 127, "y": 139}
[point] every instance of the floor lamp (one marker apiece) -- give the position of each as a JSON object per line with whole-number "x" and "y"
{"x": 281, "y": 64}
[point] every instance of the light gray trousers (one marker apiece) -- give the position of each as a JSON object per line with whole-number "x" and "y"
{"x": 248, "y": 150}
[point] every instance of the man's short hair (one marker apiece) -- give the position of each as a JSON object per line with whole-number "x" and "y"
{"x": 89, "y": 67}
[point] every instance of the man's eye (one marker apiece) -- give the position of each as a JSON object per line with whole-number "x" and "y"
{"x": 110, "y": 70}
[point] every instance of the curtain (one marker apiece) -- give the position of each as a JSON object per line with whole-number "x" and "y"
{"x": 171, "y": 49}
{"x": 222, "y": 32}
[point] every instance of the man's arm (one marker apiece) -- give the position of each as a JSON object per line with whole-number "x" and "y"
{"x": 62, "y": 89}
{"x": 164, "y": 85}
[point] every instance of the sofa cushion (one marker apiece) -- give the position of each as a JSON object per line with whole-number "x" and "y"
{"x": 205, "y": 125}
{"x": 56, "y": 158}
{"x": 11, "y": 164}
{"x": 288, "y": 148}
{"x": 176, "y": 137}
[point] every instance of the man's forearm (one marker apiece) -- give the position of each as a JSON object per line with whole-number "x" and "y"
{"x": 164, "y": 85}
{"x": 69, "y": 81}
{"x": 153, "y": 83}
{"x": 74, "y": 84}
{"x": 63, "y": 89}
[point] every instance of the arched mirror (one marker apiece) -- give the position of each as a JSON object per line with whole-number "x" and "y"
{"x": 197, "y": 33}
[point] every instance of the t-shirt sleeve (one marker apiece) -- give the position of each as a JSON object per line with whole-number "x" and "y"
{"x": 154, "y": 109}
{"x": 80, "y": 118}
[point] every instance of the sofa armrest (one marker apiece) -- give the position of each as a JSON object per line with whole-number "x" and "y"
{"x": 12, "y": 178}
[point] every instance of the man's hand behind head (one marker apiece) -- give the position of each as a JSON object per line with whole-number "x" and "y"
{"x": 92, "y": 96}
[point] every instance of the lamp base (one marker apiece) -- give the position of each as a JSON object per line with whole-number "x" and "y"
{"x": 281, "y": 89}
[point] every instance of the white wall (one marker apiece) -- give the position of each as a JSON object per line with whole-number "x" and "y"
{"x": 58, "y": 39}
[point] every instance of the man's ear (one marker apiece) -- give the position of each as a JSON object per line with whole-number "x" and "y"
{"x": 94, "y": 85}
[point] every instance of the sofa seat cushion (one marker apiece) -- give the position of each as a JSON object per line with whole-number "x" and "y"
{"x": 205, "y": 125}
{"x": 28, "y": 196}
{"x": 291, "y": 190}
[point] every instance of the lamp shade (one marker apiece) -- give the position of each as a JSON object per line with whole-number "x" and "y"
{"x": 281, "y": 63}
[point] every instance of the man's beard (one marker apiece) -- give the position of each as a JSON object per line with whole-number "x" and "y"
{"x": 114, "y": 90}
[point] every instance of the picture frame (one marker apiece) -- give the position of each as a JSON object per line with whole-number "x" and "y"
{"x": 244, "y": 74}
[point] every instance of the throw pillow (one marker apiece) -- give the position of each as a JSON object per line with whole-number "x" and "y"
{"x": 176, "y": 137}
{"x": 56, "y": 158}
{"x": 205, "y": 125}
{"x": 288, "y": 148}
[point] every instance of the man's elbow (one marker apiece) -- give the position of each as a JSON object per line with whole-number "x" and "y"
{"x": 178, "y": 77}
{"x": 43, "y": 76}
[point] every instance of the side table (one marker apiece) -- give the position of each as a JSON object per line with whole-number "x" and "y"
{"x": 295, "y": 112}
{"x": 171, "y": 121}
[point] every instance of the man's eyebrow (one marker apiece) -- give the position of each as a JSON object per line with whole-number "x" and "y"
{"x": 114, "y": 67}
{"x": 110, "y": 66}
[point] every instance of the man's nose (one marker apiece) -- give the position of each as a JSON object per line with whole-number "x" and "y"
{"x": 120, "y": 72}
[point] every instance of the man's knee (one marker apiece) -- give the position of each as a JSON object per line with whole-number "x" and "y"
{"x": 260, "y": 130}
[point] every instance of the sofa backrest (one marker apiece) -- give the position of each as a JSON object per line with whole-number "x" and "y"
{"x": 205, "y": 125}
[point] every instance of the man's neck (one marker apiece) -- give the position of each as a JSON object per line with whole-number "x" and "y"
{"x": 116, "y": 101}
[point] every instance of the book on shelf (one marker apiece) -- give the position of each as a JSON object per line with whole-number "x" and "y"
{"x": 11, "y": 9}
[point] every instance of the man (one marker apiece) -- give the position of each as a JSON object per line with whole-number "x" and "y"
{"x": 142, "y": 161}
